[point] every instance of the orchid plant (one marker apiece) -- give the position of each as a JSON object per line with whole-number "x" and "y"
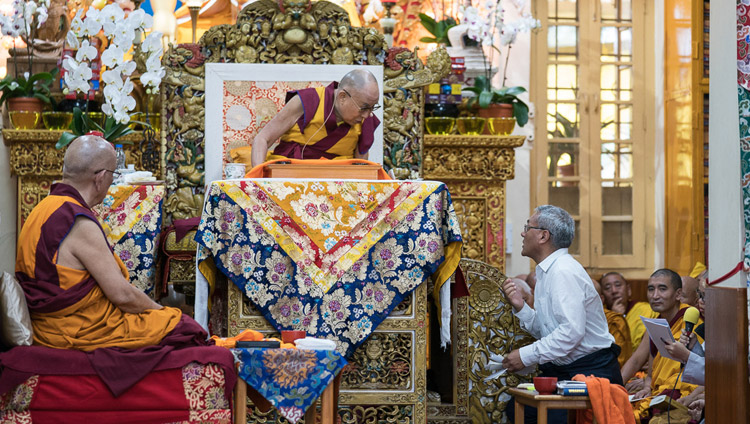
{"x": 120, "y": 32}
{"x": 485, "y": 31}
{"x": 28, "y": 16}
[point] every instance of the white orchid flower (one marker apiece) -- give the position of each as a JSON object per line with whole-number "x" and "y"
{"x": 29, "y": 10}
{"x": 113, "y": 80}
{"x": 136, "y": 18}
{"x": 71, "y": 40}
{"x": 123, "y": 35}
{"x": 110, "y": 16}
{"x": 91, "y": 25}
{"x": 152, "y": 42}
{"x": 13, "y": 85}
{"x": 113, "y": 56}
{"x": 127, "y": 87}
{"x": 126, "y": 68}
{"x": 152, "y": 78}
{"x": 86, "y": 52}
{"x": 153, "y": 62}
{"x": 76, "y": 25}
{"x": 41, "y": 17}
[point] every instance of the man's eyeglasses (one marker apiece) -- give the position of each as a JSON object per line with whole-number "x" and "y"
{"x": 115, "y": 174}
{"x": 528, "y": 227}
{"x": 368, "y": 109}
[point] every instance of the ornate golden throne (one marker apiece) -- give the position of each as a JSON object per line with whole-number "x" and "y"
{"x": 387, "y": 379}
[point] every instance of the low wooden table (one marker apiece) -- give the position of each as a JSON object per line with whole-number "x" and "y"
{"x": 544, "y": 402}
{"x": 328, "y": 403}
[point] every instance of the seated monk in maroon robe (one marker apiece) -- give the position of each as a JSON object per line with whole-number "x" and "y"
{"x": 77, "y": 289}
{"x": 332, "y": 122}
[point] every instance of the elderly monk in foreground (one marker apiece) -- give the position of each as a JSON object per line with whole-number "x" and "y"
{"x": 332, "y": 122}
{"x": 77, "y": 290}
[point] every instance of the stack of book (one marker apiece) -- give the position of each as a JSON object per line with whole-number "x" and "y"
{"x": 572, "y": 388}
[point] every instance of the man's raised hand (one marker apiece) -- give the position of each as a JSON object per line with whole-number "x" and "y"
{"x": 513, "y": 293}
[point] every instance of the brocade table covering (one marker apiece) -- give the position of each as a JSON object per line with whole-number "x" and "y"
{"x": 290, "y": 379}
{"x": 332, "y": 258}
{"x": 131, "y": 217}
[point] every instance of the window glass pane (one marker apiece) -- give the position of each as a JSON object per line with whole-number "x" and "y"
{"x": 626, "y": 121}
{"x": 565, "y": 195}
{"x": 609, "y": 95}
{"x": 626, "y": 43}
{"x": 563, "y": 160}
{"x": 617, "y": 238}
{"x": 562, "y": 40}
{"x": 626, "y": 95}
{"x": 562, "y": 9}
{"x": 608, "y": 117}
{"x": 616, "y": 163}
{"x": 562, "y": 76}
{"x": 609, "y": 10}
{"x": 609, "y": 41}
{"x": 609, "y": 76}
{"x": 563, "y": 120}
{"x": 617, "y": 201}
{"x": 626, "y": 77}
{"x": 626, "y": 10}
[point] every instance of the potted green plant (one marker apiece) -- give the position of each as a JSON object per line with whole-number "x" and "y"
{"x": 26, "y": 91}
{"x": 483, "y": 26}
{"x": 505, "y": 99}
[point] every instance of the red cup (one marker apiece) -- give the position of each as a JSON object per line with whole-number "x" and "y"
{"x": 545, "y": 385}
{"x": 289, "y": 336}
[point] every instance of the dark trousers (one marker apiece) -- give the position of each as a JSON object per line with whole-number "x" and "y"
{"x": 602, "y": 363}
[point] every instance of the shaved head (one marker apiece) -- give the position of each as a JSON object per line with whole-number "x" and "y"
{"x": 360, "y": 80}
{"x": 689, "y": 290}
{"x": 86, "y": 155}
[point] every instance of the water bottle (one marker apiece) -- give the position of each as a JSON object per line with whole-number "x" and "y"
{"x": 120, "y": 155}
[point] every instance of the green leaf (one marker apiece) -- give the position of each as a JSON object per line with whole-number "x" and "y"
{"x": 428, "y": 23}
{"x": 64, "y": 140}
{"x": 428, "y": 40}
{"x": 485, "y": 98}
{"x": 77, "y": 124}
{"x": 521, "y": 112}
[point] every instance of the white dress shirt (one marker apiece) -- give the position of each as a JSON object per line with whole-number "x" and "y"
{"x": 568, "y": 317}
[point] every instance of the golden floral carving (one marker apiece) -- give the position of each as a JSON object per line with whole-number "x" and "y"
{"x": 491, "y": 329}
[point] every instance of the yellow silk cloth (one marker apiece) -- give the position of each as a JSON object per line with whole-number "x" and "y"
{"x": 95, "y": 322}
{"x": 664, "y": 371}
{"x": 125, "y": 206}
{"x": 618, "y": 328}
{"x": 637, "y": 329}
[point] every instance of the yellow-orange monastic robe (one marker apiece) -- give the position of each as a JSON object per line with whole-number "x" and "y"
{"x": 618, "y": 328}
{"x": 664, "y": 371}
{"x": 68, "y": 308}
{"x": 633, "y": 316}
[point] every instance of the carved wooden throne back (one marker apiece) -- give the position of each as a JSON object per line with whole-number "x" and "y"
{"x": 484, "y": 325}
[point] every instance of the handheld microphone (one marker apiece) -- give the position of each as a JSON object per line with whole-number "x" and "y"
{"x": 691, "y": 318}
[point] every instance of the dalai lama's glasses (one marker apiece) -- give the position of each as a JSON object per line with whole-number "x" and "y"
{"x": 115, "y": 174}
{"x": 369, "y": 109}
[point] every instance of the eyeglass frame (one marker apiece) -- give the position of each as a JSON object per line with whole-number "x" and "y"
{"x": 115, "y": 174}
{"x": 370, "y": 109}
{"x": 528, "y": 227}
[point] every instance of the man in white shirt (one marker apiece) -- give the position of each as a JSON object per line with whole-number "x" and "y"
{"x": 568, "y": 318}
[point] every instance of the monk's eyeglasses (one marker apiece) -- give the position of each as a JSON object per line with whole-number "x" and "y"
{"x": 369, "y": 109}
{"x": 114, "y": 173}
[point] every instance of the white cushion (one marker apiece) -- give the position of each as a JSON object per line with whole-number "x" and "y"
{"x": 16, "y": 322}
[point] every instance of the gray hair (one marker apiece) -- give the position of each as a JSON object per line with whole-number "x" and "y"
{"x": 559, "y": 223}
